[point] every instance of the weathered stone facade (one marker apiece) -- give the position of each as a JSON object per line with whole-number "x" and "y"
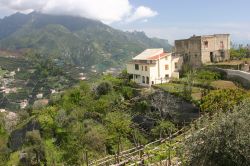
{"x": 198, "y": 50}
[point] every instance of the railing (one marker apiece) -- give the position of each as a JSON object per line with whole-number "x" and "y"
{"x": 136, "y": 154}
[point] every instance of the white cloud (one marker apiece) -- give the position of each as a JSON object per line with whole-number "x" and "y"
{"x": 142, "y": 12}
{"x": 107, "y": 11}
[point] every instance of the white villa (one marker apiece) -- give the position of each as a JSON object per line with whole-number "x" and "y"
{"x": 154, "y": 66}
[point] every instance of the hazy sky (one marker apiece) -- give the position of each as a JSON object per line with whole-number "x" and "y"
{"x": 169, "y": 19}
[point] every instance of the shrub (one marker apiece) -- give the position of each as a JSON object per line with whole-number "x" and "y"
{"x": 103, "y": 88}
{"x": 207, "y": 75}
{"x": 127, "y": 92}
{"x": 223, "y": 140}
{"x": 224, "y": 99}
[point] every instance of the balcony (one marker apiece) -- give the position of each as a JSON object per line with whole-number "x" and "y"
{"x": 142, "y": 62}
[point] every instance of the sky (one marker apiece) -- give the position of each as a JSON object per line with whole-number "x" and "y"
{"x": 168, "y": 19}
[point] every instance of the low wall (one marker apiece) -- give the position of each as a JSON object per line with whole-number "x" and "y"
{"x": 243, "y": 74}
{"x": 241, "y": 77}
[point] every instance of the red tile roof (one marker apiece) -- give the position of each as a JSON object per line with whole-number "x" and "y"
{"x": 162, "y": 55}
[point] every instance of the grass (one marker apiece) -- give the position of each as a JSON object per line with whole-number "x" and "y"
{"x": 178, "y": 89}
{"x": 2, "y": 72}
{"x": 246, "y": 59}
{"x": 222, "y": 84}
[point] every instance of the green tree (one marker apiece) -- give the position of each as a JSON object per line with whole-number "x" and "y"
{"x": 239, "y": 53}
{"x": 222, "y": 140}
{"x": 119, "y": 126}
{"x": 224, "y": 99}
{"x": 47, "y": 122}
{"x": 163, "y": 129}
{"x": 4, "y": 151}
{"x": 188, "y": 84}
{"x": 34, "y": 153}
{"x": 52, "y": 153}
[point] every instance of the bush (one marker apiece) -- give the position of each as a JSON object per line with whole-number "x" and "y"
{"x": 163, "y": 129}
{"x": 207, "y": 75}
{"x": 103, "y": 88}
{"x": 127, "y": 92}
{"x": 224, "y": 99}
{"x": 224, "y": 140}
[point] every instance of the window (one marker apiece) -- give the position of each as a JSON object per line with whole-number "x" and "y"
{"x": 222, "y": 54}
{"x": 196, "y": 55}
{"x": 185, "y": 58}
{"x": 143, "y": 79}
{"x": 166, "y": 67}
{"x": 136, "y": 67}
{"x": 176, "y": 65}
{"x": 206, "y": 44}
{"x": 147, "y": 80}
{"x": 141, "y": 68}
{"x": 146, "y": 68}
{"x": 211, "y": 56}
{"x": 221, "y": 45}
{"x": 152, "y": 83}
{"x": 166, "y": 76}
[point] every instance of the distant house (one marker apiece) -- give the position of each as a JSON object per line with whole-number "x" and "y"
{"x": 39, "y": 96}
{"x": 198, "y": 50}
{"x": 24, "y": 104}
{"x": 154, "y": 66}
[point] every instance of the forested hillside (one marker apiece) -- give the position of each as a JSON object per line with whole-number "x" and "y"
{"x": 76, "y": 40}
{"x": 106, "y": 117}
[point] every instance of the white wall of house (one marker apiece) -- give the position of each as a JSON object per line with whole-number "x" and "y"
{"x": 159, "y": 72}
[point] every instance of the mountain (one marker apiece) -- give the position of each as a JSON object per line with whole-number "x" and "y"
{"x": 75, "y": 40}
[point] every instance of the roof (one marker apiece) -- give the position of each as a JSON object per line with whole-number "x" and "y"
{"x": 204, "y": 36}
{"x": 151, "y": 54}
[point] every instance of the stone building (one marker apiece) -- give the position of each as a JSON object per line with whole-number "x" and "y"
{"x": 198, "y": 50}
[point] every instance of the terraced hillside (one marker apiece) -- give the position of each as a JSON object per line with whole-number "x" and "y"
{"x": 22, "y": 80}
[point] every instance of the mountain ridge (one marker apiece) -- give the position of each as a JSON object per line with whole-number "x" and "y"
{"x": 76, "y": 40}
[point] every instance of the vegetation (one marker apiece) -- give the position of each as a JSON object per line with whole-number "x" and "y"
{"x": 88, "y": 118}
{"x": 222, "y": 140}
{"x": 4, "y": 151}
{"x": 222, "y": 84}
{"x": 239, "y": 53}
{"x": 110, "y": 115}
{"x": 164, "y": 129}
{"x": 75, "y": 40}
{"x": 224, "y": 100}
{"x": 33, "y": 76}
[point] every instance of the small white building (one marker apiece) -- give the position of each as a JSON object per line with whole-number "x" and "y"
{"x": 24, "y": 104}
{"x": 39, "y": 96}
{"x": 154, "y": 66}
